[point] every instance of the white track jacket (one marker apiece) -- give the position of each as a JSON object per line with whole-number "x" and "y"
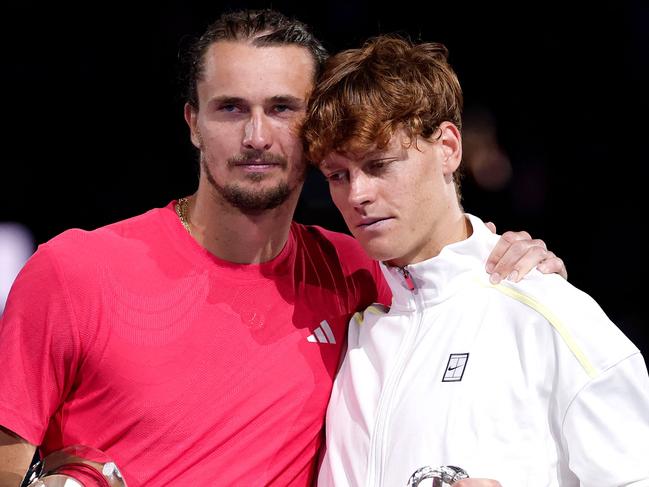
{"x": 529, "y": 383}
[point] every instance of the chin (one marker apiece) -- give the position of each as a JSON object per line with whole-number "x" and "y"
{"x": 378, "y": 252}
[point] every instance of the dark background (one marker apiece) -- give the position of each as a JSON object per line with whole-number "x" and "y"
{"x": 93, "y": 128}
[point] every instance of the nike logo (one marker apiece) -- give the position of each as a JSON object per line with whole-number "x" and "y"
{"x": 455, "y": 367}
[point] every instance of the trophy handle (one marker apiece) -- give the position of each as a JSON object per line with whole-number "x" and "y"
{"x": 75, "y": 466}
{"x": 56, "y": 481}
{"x": 442, "y": 476}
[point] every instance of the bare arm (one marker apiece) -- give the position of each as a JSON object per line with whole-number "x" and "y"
{"x": 15, "y": 457}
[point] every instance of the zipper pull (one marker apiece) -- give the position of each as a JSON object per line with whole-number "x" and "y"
{"x": 410, "y": 283}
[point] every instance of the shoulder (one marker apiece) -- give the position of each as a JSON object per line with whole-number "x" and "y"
{"x": 339, "y": 257}
{"x": 577, "y": 321}
{"x": 370, "y": 314}
{"x": 343, "y": 246}
{"x": 77, "y": 254}
{"x": 76, "y": 239}
{"x": 362, "y": 322}
{"x": 320, "y": 233}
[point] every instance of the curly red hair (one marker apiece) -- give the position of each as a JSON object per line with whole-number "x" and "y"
{"x": 365, "y": 94}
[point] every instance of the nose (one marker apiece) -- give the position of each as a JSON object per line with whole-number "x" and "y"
{"x": 258, "y": 132}
{"x": 361, "y": 190}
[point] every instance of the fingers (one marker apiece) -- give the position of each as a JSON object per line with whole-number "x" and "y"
{"x": 503, "y": 245}
{"x": 491, "y": 226}
{"x": 553, "y": 265}
{"x": 477, "y": 483}
{"x": 517, "y": 253}
{"x": 514, "y": 255}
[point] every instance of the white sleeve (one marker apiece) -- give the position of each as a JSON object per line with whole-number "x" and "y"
{"x": 606, "y": 427}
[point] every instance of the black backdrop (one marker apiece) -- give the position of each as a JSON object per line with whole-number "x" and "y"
{"x": 93, "y": 129}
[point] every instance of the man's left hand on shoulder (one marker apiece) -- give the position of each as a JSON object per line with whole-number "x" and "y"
{"x": 517, "y": 253}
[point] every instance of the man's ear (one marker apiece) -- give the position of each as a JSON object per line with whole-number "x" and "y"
{"x": 190, "y": 118}
{"x": 450, "y": 139}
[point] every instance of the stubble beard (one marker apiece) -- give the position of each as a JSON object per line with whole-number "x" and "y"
{"x": 252, "y": 200}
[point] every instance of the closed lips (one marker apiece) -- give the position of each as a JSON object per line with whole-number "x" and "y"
{"x": 370, "y": 221}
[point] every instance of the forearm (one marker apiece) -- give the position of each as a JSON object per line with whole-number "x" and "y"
{"x": 15, "y": 457}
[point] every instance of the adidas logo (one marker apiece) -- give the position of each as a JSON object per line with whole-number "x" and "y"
{"x": 322, "y": 334}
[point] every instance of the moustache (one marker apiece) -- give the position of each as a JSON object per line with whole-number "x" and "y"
{"x": 252, "y": 156}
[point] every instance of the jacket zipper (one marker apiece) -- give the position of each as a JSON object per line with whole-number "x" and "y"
{"x": 377, "y": 442}
{"x": 410, "y": 284}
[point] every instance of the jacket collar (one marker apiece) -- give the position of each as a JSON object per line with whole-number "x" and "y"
{"x": 440, "y": 277}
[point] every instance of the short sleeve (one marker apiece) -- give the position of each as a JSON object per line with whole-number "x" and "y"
{"x": 38, "y": 348}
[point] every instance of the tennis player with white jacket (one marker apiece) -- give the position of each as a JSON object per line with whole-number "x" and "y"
{"x": 527, "y": 381}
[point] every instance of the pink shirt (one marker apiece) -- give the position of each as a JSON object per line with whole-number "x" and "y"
{"x": 180, "y": 366}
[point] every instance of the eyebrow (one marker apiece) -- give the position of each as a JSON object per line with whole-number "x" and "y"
{"x": 287, "y": 100}
{"x": 227, "y": 100}
{"x": 379, "y": 159}
{"x": 384, "y": 154}
{"x": 281, "y": 99}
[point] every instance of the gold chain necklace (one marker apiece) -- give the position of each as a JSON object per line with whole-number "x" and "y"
{"x": 181, "y": 211}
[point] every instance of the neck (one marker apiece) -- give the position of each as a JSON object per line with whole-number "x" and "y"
{"x": 455, "y": 230}
{"x": 236, "y": 236}
{"x": 453, "y": 227}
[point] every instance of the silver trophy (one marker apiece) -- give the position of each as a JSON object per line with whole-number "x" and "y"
{"x": 75, "y": 466}
{"x": 442, "y": 476}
